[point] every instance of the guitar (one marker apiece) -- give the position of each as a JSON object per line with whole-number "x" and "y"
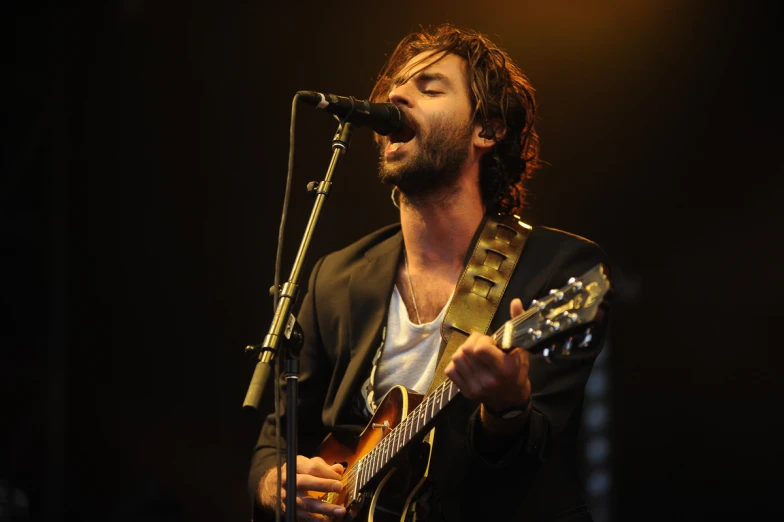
{"x": 388, "y": 462}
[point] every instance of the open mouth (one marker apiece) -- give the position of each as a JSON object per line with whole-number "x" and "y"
{"x": 400, "y": 137}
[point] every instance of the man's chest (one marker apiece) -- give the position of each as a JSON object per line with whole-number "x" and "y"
{"x": 424, "y": 294}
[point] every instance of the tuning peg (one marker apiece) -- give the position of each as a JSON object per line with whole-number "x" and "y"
{"x": 566, "y": 349}
{"x": 547, "y": 352}
{"x": 586, "y": 339}
{"x": 536, "y": 334}
{"x": 575, "y": 284}
{"x": 553, "y": 325}
{"x": 570, "y": 317}
{"x": 557, "y": 294}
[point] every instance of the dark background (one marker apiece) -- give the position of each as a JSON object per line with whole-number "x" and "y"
{"x": 145, "y": 147}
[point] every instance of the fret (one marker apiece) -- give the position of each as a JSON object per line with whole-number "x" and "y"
{"x": 391, "y": 444}
{"x": 405, "y": 431}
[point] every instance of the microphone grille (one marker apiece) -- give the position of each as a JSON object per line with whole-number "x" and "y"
{"x": 396, "y": 119}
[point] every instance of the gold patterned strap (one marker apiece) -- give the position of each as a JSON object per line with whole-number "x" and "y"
{"x": 481, "y": 286}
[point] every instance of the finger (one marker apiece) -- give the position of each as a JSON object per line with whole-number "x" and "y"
{"x": 484, "y": 352}
{"x": 483, "y": 356}
{"x": 467, "y": 359}
{"x": 461, "y": 372}
{"x": 303, "y": 514}
{"x": 507, "y": 364}
{"x": 316, "y": 467}
{"x": 486, "y": 368}
{"x": 516, "y": 307}
{"x": 471, "y": 340}
{"x": 311, "y": 483}
{"x": 314, "y": 505}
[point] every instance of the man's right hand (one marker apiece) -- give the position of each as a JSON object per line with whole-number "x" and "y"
{"x": 312, "y": 475}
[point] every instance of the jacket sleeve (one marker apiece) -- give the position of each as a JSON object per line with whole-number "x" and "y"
{"x": 557, "y": 387}
{"x": 315, "y": 371}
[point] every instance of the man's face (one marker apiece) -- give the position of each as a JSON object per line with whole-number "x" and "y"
{"x": 434, "y": 97}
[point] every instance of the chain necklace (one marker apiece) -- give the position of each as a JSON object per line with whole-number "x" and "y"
{"x": 411, "y": 287}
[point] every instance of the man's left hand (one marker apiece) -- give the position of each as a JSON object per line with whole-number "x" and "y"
{"x": 487, "y": 374}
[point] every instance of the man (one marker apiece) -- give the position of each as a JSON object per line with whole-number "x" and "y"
{"x": 371, "y": 317}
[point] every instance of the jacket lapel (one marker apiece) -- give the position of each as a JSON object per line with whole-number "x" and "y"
{"x": 369, "y": 289}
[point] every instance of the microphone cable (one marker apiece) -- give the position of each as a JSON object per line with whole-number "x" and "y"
{"x": 275, "y": 291}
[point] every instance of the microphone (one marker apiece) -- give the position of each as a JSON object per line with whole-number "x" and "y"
{"x": 384, "y": 118}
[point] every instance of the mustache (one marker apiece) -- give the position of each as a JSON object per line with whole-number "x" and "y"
{"x": 410, "y": 120}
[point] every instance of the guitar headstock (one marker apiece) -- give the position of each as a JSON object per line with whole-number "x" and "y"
{"x": 565, "y": 316}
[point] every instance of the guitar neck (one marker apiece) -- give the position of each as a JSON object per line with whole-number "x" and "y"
{"x": 415, "y": 424}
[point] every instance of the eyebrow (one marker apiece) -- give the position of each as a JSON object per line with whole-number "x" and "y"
{"x": 424, "y": 76}
{"x": 433, "y": 76}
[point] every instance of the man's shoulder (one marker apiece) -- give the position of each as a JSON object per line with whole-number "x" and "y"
{"x": 560, "y": 238}
{"x": 560, "y": 254}
{"x": 553, "y": 247}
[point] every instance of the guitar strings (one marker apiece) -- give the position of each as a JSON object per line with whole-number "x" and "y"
{"x": 517, "y": 321}
{"x": 376, "y": 454}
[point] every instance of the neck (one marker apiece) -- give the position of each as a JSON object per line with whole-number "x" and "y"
{"x": 438, "y": 228}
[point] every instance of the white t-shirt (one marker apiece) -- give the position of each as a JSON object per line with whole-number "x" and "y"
{"x": 408, "y": 356}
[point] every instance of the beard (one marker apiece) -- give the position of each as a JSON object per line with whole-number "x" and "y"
{"x": 434, "y": 166}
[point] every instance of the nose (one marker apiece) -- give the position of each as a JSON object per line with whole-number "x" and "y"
{"x": 399, "y": 96}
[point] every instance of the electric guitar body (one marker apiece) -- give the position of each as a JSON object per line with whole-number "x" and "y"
{"x": 387, "y": 495}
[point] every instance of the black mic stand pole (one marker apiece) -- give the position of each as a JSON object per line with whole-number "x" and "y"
{"x": 284, "y": 324}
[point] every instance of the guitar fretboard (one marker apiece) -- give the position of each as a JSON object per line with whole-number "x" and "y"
{"x": 414, "y": 424}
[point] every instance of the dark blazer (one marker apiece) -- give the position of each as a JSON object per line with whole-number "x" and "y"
{"x": 342, "y": 316}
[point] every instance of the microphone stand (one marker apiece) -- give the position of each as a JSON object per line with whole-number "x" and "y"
{"x": 284, "y": 327}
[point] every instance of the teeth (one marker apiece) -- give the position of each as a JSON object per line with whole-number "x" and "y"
{"x": 395, "y": 146}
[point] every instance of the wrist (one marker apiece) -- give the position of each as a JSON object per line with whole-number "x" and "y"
{"x": 510, "y": 412}
{"x": 502, "y": 426}
{"x": 266, "y": 498}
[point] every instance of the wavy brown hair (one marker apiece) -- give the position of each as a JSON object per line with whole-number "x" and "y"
{"x": 499, "y": 90}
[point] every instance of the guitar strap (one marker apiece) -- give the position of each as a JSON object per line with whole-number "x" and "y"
{"x": 481, "y": 286}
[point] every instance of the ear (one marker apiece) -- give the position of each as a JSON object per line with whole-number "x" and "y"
{"x": 488, "y": 133}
